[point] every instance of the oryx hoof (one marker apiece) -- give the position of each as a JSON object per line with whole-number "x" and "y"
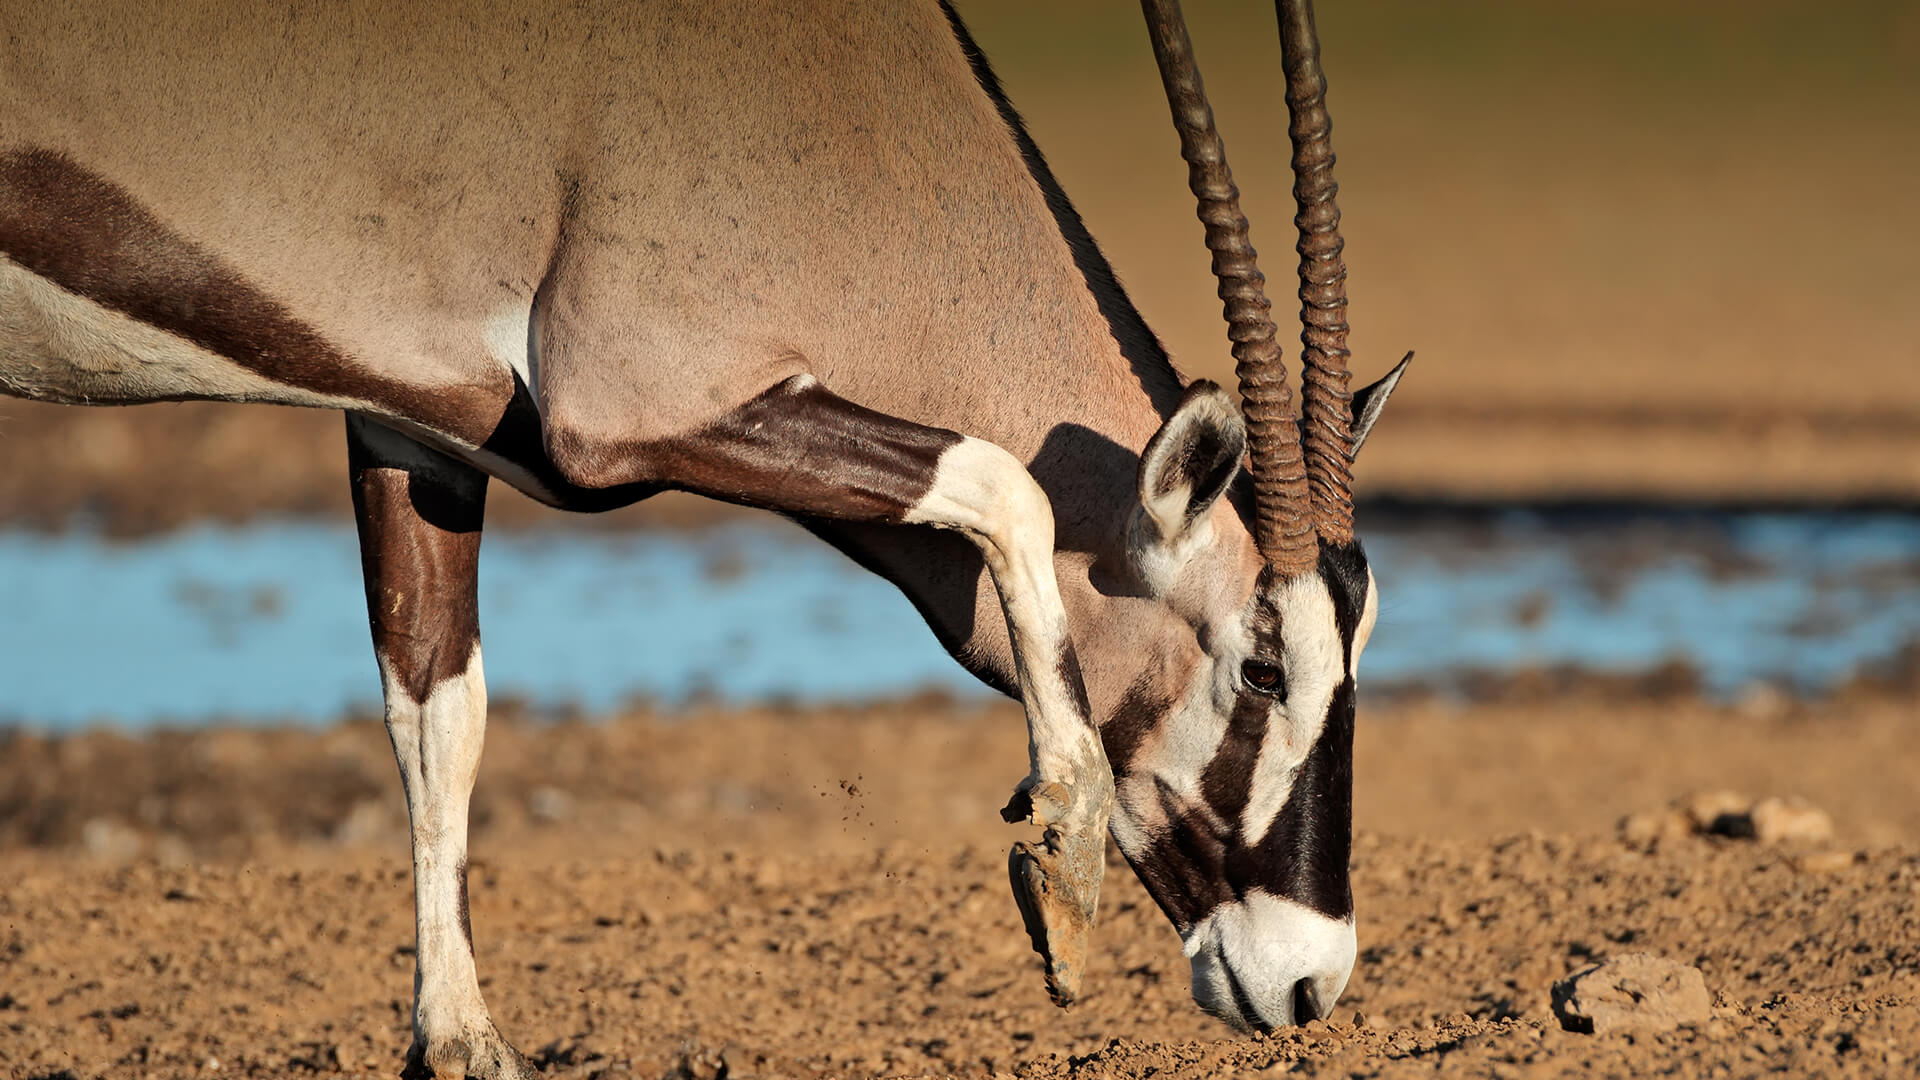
{"x": 474, "y": 1055}
{"x": 1057, "y": 885}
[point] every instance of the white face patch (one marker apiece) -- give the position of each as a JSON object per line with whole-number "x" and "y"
{"x": 1312, "y": 660}
{"x": 1256, "y": 953}
{"x": 1173, "y": 756}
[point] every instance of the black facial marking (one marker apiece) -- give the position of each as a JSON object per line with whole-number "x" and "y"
{"x": 1184, "y": 866}
{"x": 1344, "y": 569}
{"x": 1139, "y": 712}
{"x": 1226, "y": 783}
{"x": 1305, "y": 853}
{"x": 1192, "y": 867}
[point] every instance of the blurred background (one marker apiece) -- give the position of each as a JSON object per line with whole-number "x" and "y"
{"x": 1645, "y": 517}
{"x": 1660, "y": 262}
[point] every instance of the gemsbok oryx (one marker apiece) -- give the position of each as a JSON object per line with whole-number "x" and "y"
{"x": 795, "y": 254}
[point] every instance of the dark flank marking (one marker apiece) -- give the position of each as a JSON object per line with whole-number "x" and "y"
{"x": 89, "y": 237}
{"x": 466, "y": 915}
{"x": 419, "y": 525}
{"x": 797, "y": 448}
{"x": 1142, "y": 349}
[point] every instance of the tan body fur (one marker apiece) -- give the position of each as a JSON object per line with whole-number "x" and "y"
{"x": 794, "y": 253}
{"x": 407, "y": 181}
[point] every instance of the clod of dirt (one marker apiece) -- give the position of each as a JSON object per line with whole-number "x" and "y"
{"x": 111, "y": 840}
{"x": 1790, "y": 821}
{"x": 1633, "y": 992}
{"x": 1824, "y": 862}
{"x": 1772, "y": 820}
{"x": 1721, "y": 812}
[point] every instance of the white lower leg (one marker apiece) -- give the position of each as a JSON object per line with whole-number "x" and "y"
{"x": 985, "y": 492}
{"x": 437, "y": 743}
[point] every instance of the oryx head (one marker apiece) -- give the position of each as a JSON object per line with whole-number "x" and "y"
{"x": 1233, "y": 755}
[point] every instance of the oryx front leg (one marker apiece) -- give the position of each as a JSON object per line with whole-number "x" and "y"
{"x": 799, "y": 448}
{"x": 983, "y": 491}
{"x": 419, "y": 514}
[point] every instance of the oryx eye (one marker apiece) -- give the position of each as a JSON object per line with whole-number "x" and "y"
{"x": 1265, "y": 678}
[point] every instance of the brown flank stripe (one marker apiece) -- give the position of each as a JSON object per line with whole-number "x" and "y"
{"x": 91, "y": 238}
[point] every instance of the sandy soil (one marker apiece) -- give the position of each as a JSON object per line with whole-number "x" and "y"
{"x": 822, "y": 893}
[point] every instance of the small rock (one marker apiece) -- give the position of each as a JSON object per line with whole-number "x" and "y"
{"x": 367, "y": 822}
{"x": 1649, "y": 828}
{"x": 1790, "y": 821}
{"x": 549, "y": 804}
{"x": 1824, "y": 862}
{"x": 1722, "y": 812}
{"x": 1760, "y": 700}
{"x": 1632, "y": 992}
{"x": 110, "y": 839}
{"x": 172, "y": 850}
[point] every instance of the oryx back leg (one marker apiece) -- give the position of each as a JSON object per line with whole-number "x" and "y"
{"x": 800, "y": 449}
{"x": 419, "y": 514}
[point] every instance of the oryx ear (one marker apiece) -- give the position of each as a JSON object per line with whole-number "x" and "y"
{"x": 1368, "y": 401}
{"x": 1190, "y": 461}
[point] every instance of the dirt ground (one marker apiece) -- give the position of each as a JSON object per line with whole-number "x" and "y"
{"x": 822, "y": 892}
{"x": 1646, "y": 251}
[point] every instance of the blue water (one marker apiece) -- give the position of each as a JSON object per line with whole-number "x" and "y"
{"x": 268, "y": 623}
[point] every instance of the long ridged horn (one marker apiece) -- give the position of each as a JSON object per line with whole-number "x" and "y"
{"x": 1325, "y": 402}
{"x": 1283, "y": 524}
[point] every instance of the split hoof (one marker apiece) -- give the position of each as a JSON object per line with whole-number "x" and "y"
{"x": 478, "y": 1055}
{"x": 1057, "y": 886}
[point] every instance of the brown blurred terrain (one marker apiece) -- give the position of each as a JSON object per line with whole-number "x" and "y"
{"x": 823, "y": 893}
{"x": 1645, "y": 250}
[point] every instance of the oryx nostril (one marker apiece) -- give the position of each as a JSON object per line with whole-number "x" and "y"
{"x": 1305, "y": 1008}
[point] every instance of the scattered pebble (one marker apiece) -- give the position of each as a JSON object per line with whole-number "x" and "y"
{"x": 1772, "y": 820}
{"x": 1718, "y": 812}
{"x": 549, "y": 804}
{"x": 112, "y": 840}
{"x": 1632, "y": 992}
{"x": 368, "y": 821}
{"x": 1824, "y": 862}
{"x": 1790, "y": 821}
